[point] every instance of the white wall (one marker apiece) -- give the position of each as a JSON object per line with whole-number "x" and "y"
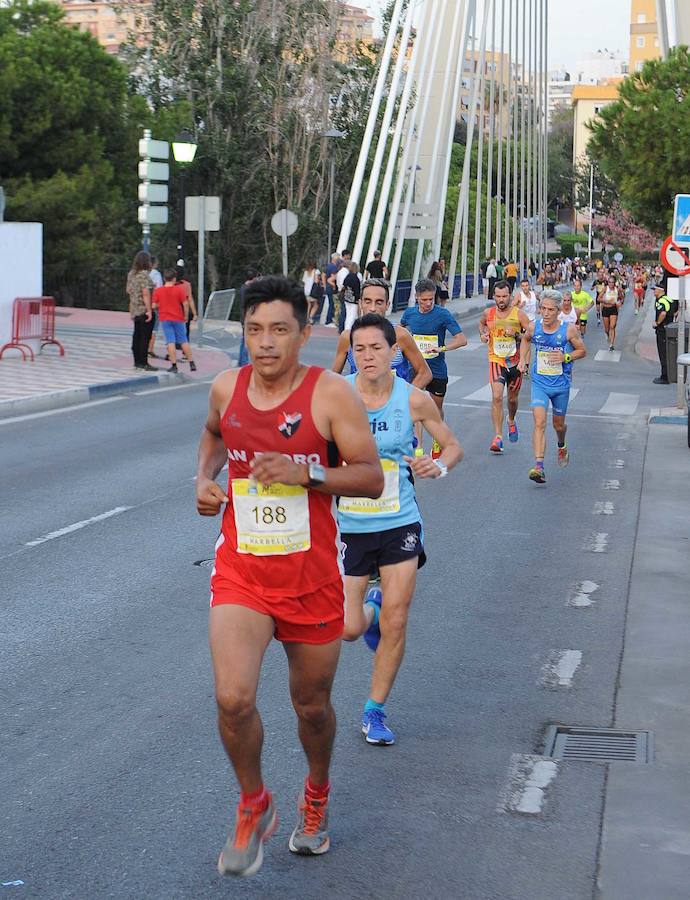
{"x": 21, "y": 265}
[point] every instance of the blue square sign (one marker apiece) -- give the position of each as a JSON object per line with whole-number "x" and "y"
{"x": 681, "y": 219}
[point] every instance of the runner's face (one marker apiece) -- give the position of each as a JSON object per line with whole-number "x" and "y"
{"x": 578, "y": 285}
{"x": 549, "y": 312}
{"x": 524, "y": 285}
{"x": 373, "y": 300}
{"x": 426, "y": 301}
{"x": 274, "y": 338}
{"x": 502, "y": 298}
{"x": 372, "y": 352}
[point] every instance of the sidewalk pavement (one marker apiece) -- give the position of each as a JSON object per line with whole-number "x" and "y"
{"x": 645, "y": 849}
{"x": 97, "y": 363}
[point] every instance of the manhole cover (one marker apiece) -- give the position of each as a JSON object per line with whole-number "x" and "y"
{"x": 598, "y": 744}
{"x": 205, "y": 563}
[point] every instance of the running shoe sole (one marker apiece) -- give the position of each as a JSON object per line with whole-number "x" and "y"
{"x": 563, "y": 461}
{"x": 538, "y": 478}
{"x": 496, "y": 449}
{"x": 256, "y": 865}
{"x": 305, "y": 851}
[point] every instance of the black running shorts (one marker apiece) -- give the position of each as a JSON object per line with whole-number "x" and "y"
{"x": 364, "y": 552}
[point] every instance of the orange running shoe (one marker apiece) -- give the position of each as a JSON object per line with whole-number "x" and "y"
{"x": 310, "y": 834}
{"x": 243, "y": 852}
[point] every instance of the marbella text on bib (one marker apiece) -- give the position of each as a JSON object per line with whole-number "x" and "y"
{"x": 546, "y": 365}
{"x": 428, "y": 344}
{"x": 271, "y": 520}
{"x": 388, "y": 502}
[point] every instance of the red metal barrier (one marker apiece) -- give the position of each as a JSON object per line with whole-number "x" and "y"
{"x": 33, "y": 319}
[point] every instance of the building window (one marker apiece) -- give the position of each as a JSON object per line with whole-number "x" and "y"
{"x": 640, "y": 41}
{"x": 597, "y": 110}
{"x": 638, "y": 67}
{"x": 641, "y": 19}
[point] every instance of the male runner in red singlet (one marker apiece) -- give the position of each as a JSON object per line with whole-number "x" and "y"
{"x": 284, "y": 429}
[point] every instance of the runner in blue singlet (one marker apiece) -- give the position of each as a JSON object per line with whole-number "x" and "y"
{"x": 555, "y": 347}
{"x": 387, "y": 532}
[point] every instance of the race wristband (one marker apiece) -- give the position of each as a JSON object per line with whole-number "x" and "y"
{"x": 442, "y": 349}
{"x": 567, "y": 358}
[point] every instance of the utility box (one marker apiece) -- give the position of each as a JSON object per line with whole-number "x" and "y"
{"x": 672, "y": 350}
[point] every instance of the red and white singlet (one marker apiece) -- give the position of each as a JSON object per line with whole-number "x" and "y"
{"x": 283, "y": 540}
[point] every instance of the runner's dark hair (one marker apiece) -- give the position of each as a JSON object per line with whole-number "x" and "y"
{"x": 377, "y": 282}
{"x": 276, "y": 287}
{"x": 374, "y": 320}
{"x": 502, "y": 284}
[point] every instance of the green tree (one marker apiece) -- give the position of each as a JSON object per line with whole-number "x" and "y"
{"x": 642, "y": 140}
{"x": 561, "y": 175}
{"x": 68, "y": 128}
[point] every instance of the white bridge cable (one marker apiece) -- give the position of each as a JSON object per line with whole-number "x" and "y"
{"x": 414, "y": 139}
{"x": 492, "y": 117}
{"x": 481, "y": 61}
{"x": 358, "y": 177}
{"x": 499, "y": 168}
{"x": 373, "y": 183}
{"x": 446, "y": 111}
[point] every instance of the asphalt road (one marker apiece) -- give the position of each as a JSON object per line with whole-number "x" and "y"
{"x": 113, "y": 782}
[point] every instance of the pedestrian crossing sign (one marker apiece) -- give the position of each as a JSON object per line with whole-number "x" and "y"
{"x": 681, "y": 219}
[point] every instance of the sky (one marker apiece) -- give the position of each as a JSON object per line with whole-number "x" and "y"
{"x": 575, "y": 28}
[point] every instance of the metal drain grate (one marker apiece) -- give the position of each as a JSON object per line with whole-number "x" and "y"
{"x": 204, "y": 563}
{"x": 598, "y": 744}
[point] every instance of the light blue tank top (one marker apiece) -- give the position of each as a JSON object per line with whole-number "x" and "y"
{"x": 393, "y": 431}
{"x": 542, "y": 344}
{"x": 399, "y": 364}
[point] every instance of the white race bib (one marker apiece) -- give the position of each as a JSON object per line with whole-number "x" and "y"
{"x": 271, "y": 521}
{"x": 388, "y": 502}
{"x": 505, "y": 346}
{"x": 428, "y": 344}
{"x": 544, "y": 364}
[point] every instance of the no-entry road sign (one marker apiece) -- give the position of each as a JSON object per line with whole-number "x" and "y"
{"x": 675, "y": 258}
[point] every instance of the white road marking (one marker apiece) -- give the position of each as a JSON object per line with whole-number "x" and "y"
{"x": 452, "y": 379}
{"x": 623, "y": 436}
{"x": 617, "y": 464}
{"x": 560, "y": 667}
{"x": 77, "y": 525}
{"x": 528, "y": 412}
{"x": 620, "y": 405}
{"x": 603, "y": 508}
{"x": 611, "y": 484}
{"x": 597, "y": 542}
{"x": 528, "y": 779}
{"x": 608, "y": 356}
{"x": 484, "y": 393}
{"x": 62, "y": 409}
{"x": 574, "y": 392}
{"x": 581, "y": 595}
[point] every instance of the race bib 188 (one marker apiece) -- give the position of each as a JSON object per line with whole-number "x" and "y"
{"x": 271, "y": 521}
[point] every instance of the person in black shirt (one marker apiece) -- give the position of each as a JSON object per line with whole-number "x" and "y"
{"x": 377, "y": 267}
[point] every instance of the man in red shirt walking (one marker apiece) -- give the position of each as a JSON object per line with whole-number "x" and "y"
{"x": 172, "y": 305}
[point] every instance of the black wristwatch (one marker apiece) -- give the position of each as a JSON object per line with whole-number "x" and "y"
{"x": 317, "y": 474}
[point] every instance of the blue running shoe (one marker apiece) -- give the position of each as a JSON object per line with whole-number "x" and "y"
{"x": 375, "y": 730}
{"x": 372, "y": 635}
{"x": 513, "y": 433}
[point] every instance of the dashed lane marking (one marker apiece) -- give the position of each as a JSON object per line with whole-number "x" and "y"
{"x": 603, "y": 508}
{"x": 617, "y": 464}
{"x": 62, "y": 409}
{"x": 528, "y": 780}
{"x": 452, "y": 379}
{"x": 608, "y": 356}
{"x": 620, "y": 404}
{"x": 173, "y": 387}
{"x": 77, "y": 526}
{"x": 560, "y": 667}
{"x": 611, "y": 484}
{"x": 581, "y": 595}
{"x": 484, "y": 393}
{"x": 597, "y": 542}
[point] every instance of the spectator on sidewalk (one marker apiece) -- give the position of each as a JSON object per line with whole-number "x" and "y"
{"x": 339, "y": 281}
{"x": 492, "y": 275}
{"x": 663, "y": 316}
{"x": 376, "y": 268}
{"x": 173, "y": 306}
{"x": 331, "y": 272}
{"x": 352, "y": 288}
{"x": 312, "y": 280}
{"x": 139, "y": 287}
{"x": 191, "y": 310}
{"x": 157, "y": 280}
{"x": 249, "y": 276}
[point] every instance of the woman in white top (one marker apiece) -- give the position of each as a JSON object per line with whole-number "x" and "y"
{"x": 568, "y": 312}
{"x": 311, "y": 277}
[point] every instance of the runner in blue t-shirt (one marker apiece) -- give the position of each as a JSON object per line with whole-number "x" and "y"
{"x": 556, "y": 346}
{"x": 428, "y": 325}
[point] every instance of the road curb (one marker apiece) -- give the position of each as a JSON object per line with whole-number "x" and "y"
{"x": 74, "y": 396}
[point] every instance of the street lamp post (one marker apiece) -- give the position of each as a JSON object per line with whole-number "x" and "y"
{"x": 591, "y": 209}
{"x": 184, "y": 150}
{"x": 334, "y": 134}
